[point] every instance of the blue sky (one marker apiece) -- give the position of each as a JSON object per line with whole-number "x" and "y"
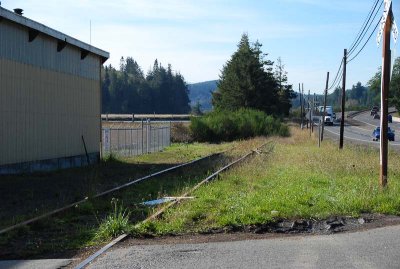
{"x": 198, "y": 37}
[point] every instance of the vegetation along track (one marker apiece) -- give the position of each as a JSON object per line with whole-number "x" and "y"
{"x": 181, "y": 197}
{"x": 68, "y": 230}
{"x": 103, "y": 194}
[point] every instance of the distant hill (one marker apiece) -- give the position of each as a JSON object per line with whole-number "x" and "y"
{"x": 202, "y": 92}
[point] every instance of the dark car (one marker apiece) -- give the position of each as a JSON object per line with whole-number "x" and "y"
{"x": 390, "y": 120}
{"x": 376, "y": 116}
{"x": 376, "y": 108}
{"x": 376, "y": 134}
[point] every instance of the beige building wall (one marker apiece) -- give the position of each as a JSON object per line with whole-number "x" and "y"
{"x": 44, "y": 113}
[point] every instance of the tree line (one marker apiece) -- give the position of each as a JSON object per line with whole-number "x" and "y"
{"x": 127, "y": 90}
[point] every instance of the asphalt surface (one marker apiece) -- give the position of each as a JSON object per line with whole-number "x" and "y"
{"x": 359, "y": 130}
{"x": 377, "y": 248}
{"x": 35, "y": 264}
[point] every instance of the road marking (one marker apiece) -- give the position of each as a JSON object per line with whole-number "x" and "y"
{"x": 364, "y": 122}
{"x": 362, "y": 140}
{"x": 361, "y": 128}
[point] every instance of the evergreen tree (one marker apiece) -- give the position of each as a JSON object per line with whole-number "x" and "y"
{"x": 285, "y": 91}
{"x": 196, "y": 109}
{"x": 106, "y": 99}
{"x": 374, "y": 89}
{"x": 247, "y": 81}
{"x": 127, "y": 90}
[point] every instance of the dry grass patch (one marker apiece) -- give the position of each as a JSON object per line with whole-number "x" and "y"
{"x": 296, "y": 180}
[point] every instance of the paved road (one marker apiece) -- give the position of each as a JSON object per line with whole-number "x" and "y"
{"x": 377, "y": 248}
{"x": 360, "y": 130}
{"x": 35, "y": 264}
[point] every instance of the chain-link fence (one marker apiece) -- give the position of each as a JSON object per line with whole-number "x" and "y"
{"x": 147, "y": 137}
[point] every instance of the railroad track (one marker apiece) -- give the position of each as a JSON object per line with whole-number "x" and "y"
{"x": 104, "y": 193}
{"x": 92, "y": 257}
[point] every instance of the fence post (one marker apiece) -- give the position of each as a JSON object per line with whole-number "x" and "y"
{"x": 118, "y": 147}
{"x": 148, "y": 129}
{"x": 158, "y": 138}
{"x": 142, "y": 138}
{"x": 169, "y": 136}
{"x": 110, "y": 141}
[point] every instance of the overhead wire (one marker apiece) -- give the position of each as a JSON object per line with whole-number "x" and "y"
{"x": 336, "y": 77}
{"x": 376, "y": 13}
{"x": 359, "y": 37}
{"x": 340, "y": 80}
{"x": 362, "y": 32}
{"x": 366, "y": 42}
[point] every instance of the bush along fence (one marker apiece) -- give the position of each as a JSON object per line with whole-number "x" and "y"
{"x": 146, "y": 138}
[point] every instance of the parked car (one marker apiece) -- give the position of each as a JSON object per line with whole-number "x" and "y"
{"x": 376, "y": 116}
{"x": 390, "y": 120}
{"x": 376, "y": 134}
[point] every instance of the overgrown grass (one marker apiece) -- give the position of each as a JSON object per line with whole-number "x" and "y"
{"x": 220, "y": 126}
{"x": 183, "y": 152}
{"x": 97, "y": 219}
{"x": 26, "y": 196}
{"x": 115, "y": 224}
{"x": 297, "y": 180}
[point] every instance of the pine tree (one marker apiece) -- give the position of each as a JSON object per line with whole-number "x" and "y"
{"x": 285, "y": 91}
{"x": 247, "y": 81}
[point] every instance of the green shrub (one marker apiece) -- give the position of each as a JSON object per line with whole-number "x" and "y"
{"x": 220, "y": 126}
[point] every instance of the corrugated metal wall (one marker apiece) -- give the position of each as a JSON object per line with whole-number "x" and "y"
{"x": 42, "y": 52}
{"x": 48, "y": 99}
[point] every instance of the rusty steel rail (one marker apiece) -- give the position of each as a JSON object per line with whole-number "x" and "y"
{"x": 91, "y": 258}
{"x": 105, "y": 193}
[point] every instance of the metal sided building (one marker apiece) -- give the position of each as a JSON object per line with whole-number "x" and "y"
{"x": 50, "y": 97}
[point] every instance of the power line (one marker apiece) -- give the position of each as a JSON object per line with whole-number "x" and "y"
{"x": 340, "y": 80}
{"x": 369, "y": 26}
{"x": 364, "y": 43}
{"x": 364, "y": 25}
{"x": 337, "y": 74}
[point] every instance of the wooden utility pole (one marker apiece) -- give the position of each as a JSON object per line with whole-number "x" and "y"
{"x": 343, "y": 99}
{"x": 319, "y": 131}
{"x": 386, "y": 66}
{"x": 312, "y": 115}
{"x": 304, "y": 108}
{"x": 309, "y": 110}
{"x": 323, "y": 116}
{"x": 301, "y": 108}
